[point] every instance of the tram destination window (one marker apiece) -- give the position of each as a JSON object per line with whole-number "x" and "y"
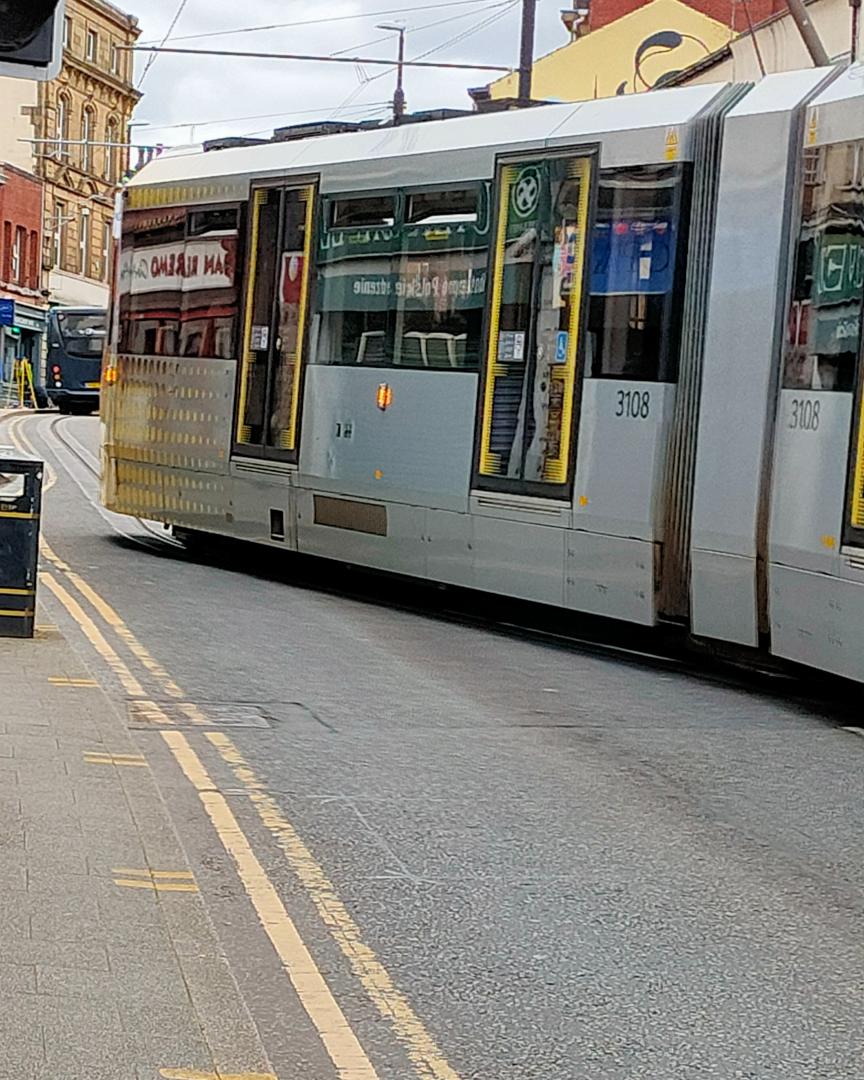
{"x": 635, "y": 281}
{"x": 178, "y": 293}
{"x": 402, "y": 279}
{"x": 823, "y": 325}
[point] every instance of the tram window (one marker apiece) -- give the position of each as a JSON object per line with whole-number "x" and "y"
{"x": 178, "y": 292}
{"x": 434, "y": 207}
{"x": 409, "y": 290}
{"x": 632, "y": 312}
{"x": 526, "y": 433}
{"x": 440, "y": 283}
{"x": 823, "y": 324}
{"x": 363, "y": 210}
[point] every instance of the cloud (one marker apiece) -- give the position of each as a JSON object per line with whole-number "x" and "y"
{"x": 182, "y": 93}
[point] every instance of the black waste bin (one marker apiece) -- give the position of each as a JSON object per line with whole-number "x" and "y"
{"x": 20, "y": 507}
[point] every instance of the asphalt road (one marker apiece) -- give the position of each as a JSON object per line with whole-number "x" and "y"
{"x": 566, "y": 867}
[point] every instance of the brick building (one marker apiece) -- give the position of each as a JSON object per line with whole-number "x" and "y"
{"x": 21, "y": 208}
{"x": 731, "y": 13}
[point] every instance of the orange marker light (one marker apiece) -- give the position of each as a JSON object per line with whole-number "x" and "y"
{"x": 384, "y": 396}
{"x": 111, "y": 375}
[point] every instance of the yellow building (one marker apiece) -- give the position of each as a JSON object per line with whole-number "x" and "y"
{"x": 636, "y": 52}
{"x": 89, "y": 104}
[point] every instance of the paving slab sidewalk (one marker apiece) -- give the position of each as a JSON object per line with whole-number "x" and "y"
{"x": 109, "y": 966}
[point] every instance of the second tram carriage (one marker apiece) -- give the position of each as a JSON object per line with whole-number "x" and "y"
{"x": 602, "y": 355}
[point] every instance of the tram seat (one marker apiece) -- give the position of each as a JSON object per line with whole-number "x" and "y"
{"x": 441, "y": 350}
{"x": 414, "y": 349}
{"x": 371, "y": 347}
{"x": 460, "y": 350}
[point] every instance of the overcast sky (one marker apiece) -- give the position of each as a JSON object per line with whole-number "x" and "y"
{"x": 182, "y": 91}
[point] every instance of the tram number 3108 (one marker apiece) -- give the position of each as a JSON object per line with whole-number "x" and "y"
{"x": 635, "y": 404}
{"x": 805, "y": 414}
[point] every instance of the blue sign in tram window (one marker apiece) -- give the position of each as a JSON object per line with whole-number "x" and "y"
{"x": 632, "y": 256}
{"x": 7, "y": 312}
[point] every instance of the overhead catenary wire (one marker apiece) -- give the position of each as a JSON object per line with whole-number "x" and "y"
{"x": 314, "y": 58}
{"x": 328, "y": 19}
{"x": 181, "y": 7}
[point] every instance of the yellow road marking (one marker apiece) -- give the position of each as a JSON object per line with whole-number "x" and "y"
{"x": 193, "y": 1074}
{"x": 150, "y": 712}
{"x": 427, "y": 1058}
{"x": 311, "y": 987}
{"x": 102, "y": 606}
{"x": 156, "y": 886}
{"x": 94, "y": 636}
{"x": 155, "y": 880}
{"x": 23, "y": 444}
{"x": 315, "y": 995}
{"x": 193, "y": 713}
{"x": 115, "y": 622}
{"x": 60, "y": 680}
{"x": 168, "y": 875}
{"x": 132, "y": 761}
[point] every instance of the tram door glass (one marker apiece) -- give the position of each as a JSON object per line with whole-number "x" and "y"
{"x": 274, "y": 332}
{"x": 526, "y": 425}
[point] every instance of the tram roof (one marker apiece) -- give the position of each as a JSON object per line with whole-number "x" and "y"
{"x": 533, "y": 127}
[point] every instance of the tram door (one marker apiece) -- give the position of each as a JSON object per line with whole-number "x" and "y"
{"x": 530, "y": 387}
{"x": 274, "y": 338}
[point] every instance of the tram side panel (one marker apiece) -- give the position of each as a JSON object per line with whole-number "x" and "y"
{"x": 816, "y": 549}
{"x": 739, "y": 379}
{"x": 168, "y": 397}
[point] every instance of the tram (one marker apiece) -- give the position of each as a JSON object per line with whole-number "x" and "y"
{"x": 76, "y": 342}
{"x": 603, "y": 356}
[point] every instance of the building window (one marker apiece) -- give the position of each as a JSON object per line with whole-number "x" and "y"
{"x": 92, "y": 45}
{"x": 115, "y": 60}
{"x": 67, "y": 32}
{"x": 62, "y": 148}
{"x": 84, "y": 242}
{"x": 87, "y": 127}
{"x": 59, "y": 233}
{"x": 7, "y": 250}
{"x": 33, "y": 276}
{"x": 111, "y": 150}
{"x": 106, "y": 249}
{"x": 18, "y": 256}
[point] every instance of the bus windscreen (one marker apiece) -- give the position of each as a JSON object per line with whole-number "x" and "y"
{"x": 83, "y": 334}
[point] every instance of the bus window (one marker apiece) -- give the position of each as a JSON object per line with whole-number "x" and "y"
{"x": 82, "y": 333}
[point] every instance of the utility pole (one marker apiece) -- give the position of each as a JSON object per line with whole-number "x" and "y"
{"x": 526, "y": 50}
{"x": 809, "y": 33}
{"x": 399, "y": 92}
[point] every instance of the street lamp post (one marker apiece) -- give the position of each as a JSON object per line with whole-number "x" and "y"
{"x": 399, "y": 92}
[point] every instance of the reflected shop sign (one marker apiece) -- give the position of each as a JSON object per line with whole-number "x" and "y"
{"x": 427, "y": 290}
{"x": 179, "y": 267}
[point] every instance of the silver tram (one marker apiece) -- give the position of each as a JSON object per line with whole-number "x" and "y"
{"x": 604, "y": 356}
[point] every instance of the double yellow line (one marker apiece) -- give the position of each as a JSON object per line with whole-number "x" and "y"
{"x": 341, "y": 1043}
